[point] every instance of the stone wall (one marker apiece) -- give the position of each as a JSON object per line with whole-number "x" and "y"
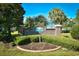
{"x": 51, "y": 31}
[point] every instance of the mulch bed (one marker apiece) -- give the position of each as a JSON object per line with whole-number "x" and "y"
{"x": 38, "y": 46}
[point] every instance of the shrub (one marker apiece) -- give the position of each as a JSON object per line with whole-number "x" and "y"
{"x": 75, "y": 31}
{"x": 58, "y": 40}
{"x": 26, "y": 39}
{"x": 62, "y": 41}
{"x": 33, "y": 38}
{"x": 66, "y": 30}
{"x": 18, "y": 39}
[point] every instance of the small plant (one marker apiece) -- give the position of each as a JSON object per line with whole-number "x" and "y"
{"x": 75, "y": 31}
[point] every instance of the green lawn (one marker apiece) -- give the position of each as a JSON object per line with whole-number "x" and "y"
{"x": 15, "y": 52}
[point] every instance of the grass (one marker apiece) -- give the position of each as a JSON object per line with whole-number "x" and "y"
{"x": 15, "y": 52}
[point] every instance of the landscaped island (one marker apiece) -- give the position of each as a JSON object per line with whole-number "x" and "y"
{"x": 37, "y": 36}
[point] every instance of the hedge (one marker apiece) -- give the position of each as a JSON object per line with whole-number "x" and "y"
{"x": 75, "y": 31}
{"x": 62, "y": 41}
{"x": 27, "y": 39}
{"x": 58, "y": 40}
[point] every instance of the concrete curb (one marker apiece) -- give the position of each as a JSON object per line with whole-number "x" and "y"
{"x": 18, "y": 47}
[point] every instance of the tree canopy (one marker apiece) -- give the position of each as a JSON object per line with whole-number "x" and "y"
{"x": 57, "y": 16}
{"x": 10, "y": 15}
{"x": 77, "y": 16}
{"x": 40, "y": 19}
{"x": 33, "y": 22}
{"x": 30, "y": 23}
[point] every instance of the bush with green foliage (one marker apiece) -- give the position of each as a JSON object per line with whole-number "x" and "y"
{"x": 62, "y": 41}
{"x": 58, "y": 40}
{"x": 66, "y": 30}
{"x": 26, "y": 39}
{"x": 75, "y": 31}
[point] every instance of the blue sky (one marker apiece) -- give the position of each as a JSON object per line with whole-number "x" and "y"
{"x": 34, "y": 9}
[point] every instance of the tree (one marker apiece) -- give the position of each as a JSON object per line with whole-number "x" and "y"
{"x": 33, "y": 22}
{"x": 30, "y": 23}
{"x": 57, "y": 16}
{"x": 40, "y": 20}
{"x": 68, "y": 25}
{"x": 10, "y": 15}
{"x": 75, "y": 27}
{"x": 77, "y": 17}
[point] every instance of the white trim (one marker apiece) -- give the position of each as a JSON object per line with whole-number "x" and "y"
{"x": 38, "y": 50}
